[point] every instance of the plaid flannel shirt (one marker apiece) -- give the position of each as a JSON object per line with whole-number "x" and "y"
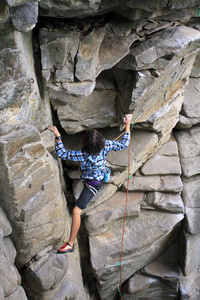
{"x": 92, "y": 166}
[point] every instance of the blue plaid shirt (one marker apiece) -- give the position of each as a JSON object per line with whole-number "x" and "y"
{"x": 92, "y": 166}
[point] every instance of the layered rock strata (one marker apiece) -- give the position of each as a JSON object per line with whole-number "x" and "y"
{"x": 79, "y": 66}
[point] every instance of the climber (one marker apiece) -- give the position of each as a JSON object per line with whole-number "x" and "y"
{"x": 92, "y": 159}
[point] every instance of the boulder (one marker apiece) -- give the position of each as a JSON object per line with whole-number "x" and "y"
{"x": 143, "y": 238}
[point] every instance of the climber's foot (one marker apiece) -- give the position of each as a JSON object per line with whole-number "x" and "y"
{"x": 66, "y": 248}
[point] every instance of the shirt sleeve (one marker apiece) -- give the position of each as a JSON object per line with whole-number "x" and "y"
{"x": 73, "y": 155}
{"x": 118, "y": 145}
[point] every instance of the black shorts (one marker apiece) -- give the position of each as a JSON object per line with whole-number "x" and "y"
{"x": 88, "y": 192}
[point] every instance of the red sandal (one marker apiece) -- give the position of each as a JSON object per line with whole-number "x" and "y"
{"x": 66, "y": 248}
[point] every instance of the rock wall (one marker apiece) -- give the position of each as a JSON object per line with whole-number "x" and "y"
{"x": 82, "y": 65}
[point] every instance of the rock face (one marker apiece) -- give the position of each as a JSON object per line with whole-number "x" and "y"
{"x": 82, "y": 65}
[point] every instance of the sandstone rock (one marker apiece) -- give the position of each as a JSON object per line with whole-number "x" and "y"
{"x": 189, "y": 252}
{"x": 20, "y": 88}
{"x": 96, "y": 110}
{"x": 112, "y": 50}
{"x": 170, "y": 148}
{"x": 18, "y": 294}
{"x": 192, "y": 220}
{"x": 191, "y": 109}
{"x": 88, "y": 55}
{"x": 167, "y": 184}
{"x": 190, "y": 166}
{"x": 58, "y": 50}
{"x": 4, "y": 15}
{"x": 44, "y": 274}
{"x": 10, "y": 249}
{"x": 166, "y": 202}
{"x": 36, "y": 201}
{"x": 111, "y": 211}
{"x": 187, "y": 122}
{"x": 68, "y": 288}
{"x": 160, "y": 45}
{"x": 84, "y": 88}
{"x": 48, "y": 140}
{"x": 24, "y": 17}
{"x": 162, "y": 165}
{"x": 139, "y": 249}
{"x": 142, "y": 144}
{"x": 191, "y": 193}
{"x": 8, "y": 277}
{"x": 159, "y": 280}
{"x": 4, "y": 223}
{"x": 196, "y": 67}
{"x": 189, "y": 286}
{"x": 188, "y": 142}
{"x": 163, "y": 93}
{"x": 12, "y": 3}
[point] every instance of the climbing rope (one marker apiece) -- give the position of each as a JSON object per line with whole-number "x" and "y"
{"x": 125, "y": 212}
{"x": 198, "y": 12}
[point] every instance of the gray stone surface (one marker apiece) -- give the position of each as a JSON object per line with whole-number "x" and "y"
{"x": 103, "y": 216}
{"x": 168, "y": 184}
{"x": 189, "y": 252}
{"x": 166, "y": 202}
{"x": 4, "y": 223}
{"x": 157, "y": 280}
{"x": 192, "y": 220}
{"x": 44, "y": 274}
{"x": 36, "y": 200}
{"x": 191, "y": 193}
{"x": 138, "y": 250}
{"x": 24, "y": 17}
{"x": 160, "y": 81}
{"x": 189, "y": 285}
{"x": 162, "y": 165}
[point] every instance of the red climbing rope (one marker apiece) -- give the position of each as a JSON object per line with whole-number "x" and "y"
{"x": 129, "y": 158}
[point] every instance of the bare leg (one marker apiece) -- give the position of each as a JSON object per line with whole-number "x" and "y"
{"x": 76, "y": 222}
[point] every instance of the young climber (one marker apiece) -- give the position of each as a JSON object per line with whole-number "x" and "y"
{"x": 92, "y": 159}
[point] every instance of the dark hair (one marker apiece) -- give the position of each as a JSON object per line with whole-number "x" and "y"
{"x": 92, "y": 142}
